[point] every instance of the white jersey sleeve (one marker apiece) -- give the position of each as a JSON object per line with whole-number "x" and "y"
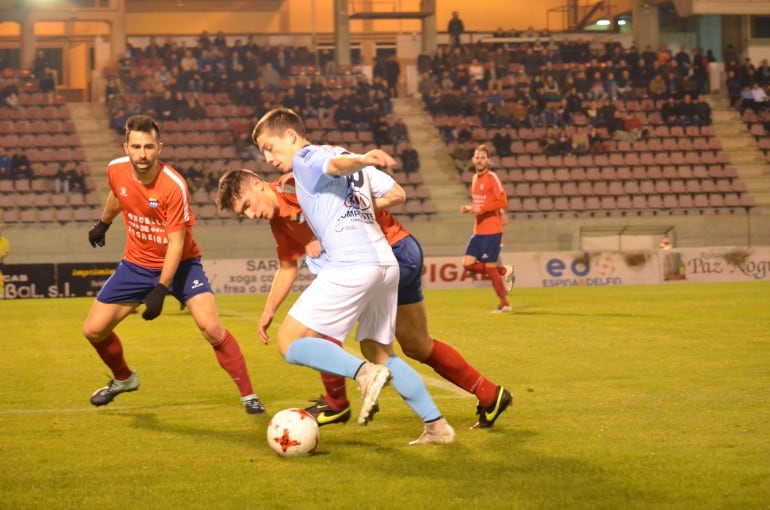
{"x": 379, "y": 181}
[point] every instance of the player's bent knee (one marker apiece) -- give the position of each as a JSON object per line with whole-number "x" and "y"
{"x": 415, "y": 348}
{"x": 375, "y": 351}
{"x": 213, "y": 334}
{"x": 92, "y": 335}
{"x": 283, "y": 344}
{"x": 291, "y": 330}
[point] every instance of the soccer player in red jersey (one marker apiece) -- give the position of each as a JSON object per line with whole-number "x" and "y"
{"x": 244, "y": 193}
{"x": 488, "y": 200}
{"x": 160, "y": 257}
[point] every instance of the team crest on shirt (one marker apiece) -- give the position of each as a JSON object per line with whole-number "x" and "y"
{"x": 481, "y": 187}
{"x": 153, "y": 201}
{"x": 123, "y": 191}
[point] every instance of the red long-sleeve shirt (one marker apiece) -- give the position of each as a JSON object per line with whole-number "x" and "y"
{"x": 488, "y": 193}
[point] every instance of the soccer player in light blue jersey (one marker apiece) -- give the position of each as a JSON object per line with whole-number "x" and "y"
{"x": 358, "y": 282}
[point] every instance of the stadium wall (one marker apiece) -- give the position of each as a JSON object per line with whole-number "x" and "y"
{"x": 317, "y": 16}
{"x": 166, "y": 18}
{"x": 533, "y": 269}
{"x": 447, "y": 237}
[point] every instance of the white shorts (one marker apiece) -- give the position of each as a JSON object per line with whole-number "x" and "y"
{"x": 338, "y": 298}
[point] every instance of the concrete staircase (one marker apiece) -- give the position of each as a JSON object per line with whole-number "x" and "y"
{"x": 100, "y": 144}
{"x": 745, "y": 155}
{"x": 446, "y": 189}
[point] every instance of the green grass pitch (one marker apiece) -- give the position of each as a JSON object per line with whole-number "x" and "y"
{"x": 631, "y": 397}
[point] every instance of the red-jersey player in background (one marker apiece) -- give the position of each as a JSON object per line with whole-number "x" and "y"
{"x": 488, "y": 199}
{"x": 160, "y": 257}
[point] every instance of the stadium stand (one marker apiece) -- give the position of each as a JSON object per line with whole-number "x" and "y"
{"x": 640, "y": 162}
{"x": 650, "y": 164}
{"x": 344, "y": 108}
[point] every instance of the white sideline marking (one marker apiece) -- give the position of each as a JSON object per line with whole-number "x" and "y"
{"x": 93, "y": 409}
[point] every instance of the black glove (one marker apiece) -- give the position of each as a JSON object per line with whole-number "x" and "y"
{"x": 153, "y": 303}
{"x": 96, "y": 236}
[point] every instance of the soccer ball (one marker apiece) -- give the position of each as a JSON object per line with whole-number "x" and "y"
{"x": 293, "y": 432}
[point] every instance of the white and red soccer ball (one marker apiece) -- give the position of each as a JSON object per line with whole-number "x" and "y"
{"x": 293, "y": 432}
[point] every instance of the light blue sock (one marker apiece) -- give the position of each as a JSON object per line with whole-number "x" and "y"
{"x": 324, "y": 356}
{"x": 410, "y": 386}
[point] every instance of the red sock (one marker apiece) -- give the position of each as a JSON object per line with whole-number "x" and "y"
{"x": 451, "y": 365}
{"x": 111, "y": 351}
{"x": 497, "y": 283}
{"x": 501, "y": 270}
{"x": 476, "y": 267}
{"x": 230, "y": 358}
{"x": 336, "y": 394}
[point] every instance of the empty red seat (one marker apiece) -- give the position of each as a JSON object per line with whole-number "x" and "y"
{"x": 561, "y": 174}
{"x": 577, "y": 203}
{"x": 529, "y": 204}
{"x": 569, "y": 188}
{"x": 514, "y": 204}
{"x": 538, "y": 189}
{"x": 553, "y": 189}
{"x": 716, "y": 200}
{"x": 593, "y": 173}
{"x": 601, "y": 188}
{"x": 639, "y": 202}
{"x": 631, "y": 159}
{"x": 623, "y": 202}
{"x": 647, "y": 187}
{"x": 686, "y": 202}
{"x": 545, "y": 204}
{"x": 561, "y": 204}
{"x": 631, "y": 187}
{"x": 701, "y": 200}
{"x": 608, "y": 202}
{"x": 655, "y": 201}
{"x": 615, "y": 188}
{"x": 670, "y": 202}
{"x": 592, "y": 203}
{"x": 732, "y": 200}
{"x": 693, "y": 186}
{"x": 522, "y": 189}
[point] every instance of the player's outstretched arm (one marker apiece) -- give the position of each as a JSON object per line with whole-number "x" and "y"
{"x": 395, "y": 196}
{"x": 379, "y": 158}
{"x": 348, "y": 164}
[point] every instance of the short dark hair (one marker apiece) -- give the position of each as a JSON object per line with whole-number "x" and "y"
{"x": 279, "y": 120}
{"x": 230, "y": 185}
{"x": 142, "y": 123}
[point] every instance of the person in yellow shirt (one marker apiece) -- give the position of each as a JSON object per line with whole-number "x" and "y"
{"x": 5, "y": 248}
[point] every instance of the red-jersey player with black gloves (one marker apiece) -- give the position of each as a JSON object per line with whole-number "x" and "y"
{"x": 160, "y": 257}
